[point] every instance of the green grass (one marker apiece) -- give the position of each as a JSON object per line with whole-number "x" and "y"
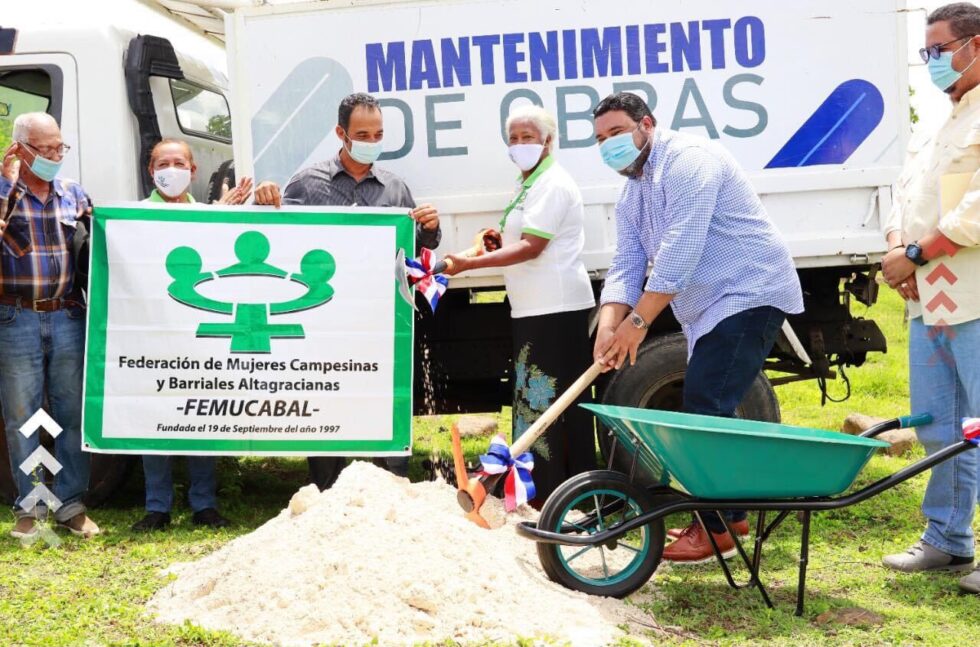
{"x": 92, "y": 592}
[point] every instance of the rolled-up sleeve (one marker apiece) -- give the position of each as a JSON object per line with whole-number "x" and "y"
{"x": 624, "y": 280}
{"x": 691, "y": 188}
{"x": 962, "y": 224}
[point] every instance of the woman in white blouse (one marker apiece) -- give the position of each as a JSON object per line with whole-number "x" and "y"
{"x": 542, "y": 232}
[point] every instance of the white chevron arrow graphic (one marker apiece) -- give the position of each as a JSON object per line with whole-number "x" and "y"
{"x": 38, "y": 494}
{"x": 38, "y": 420}
{"x": 40, "y": 456}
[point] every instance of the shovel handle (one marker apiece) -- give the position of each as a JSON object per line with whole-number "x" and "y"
{"x": 551, "y": 414}
{"x": 442, "y": 266}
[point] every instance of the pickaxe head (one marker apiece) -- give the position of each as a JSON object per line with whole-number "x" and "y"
{"x": 472, "y": 491}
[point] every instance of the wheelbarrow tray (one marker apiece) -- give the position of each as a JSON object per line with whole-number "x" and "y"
{"x": 728, "y": 458}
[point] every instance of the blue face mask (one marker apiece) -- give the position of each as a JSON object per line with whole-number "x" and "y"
{"x": 942, "y": 72}
{"x": 45, "y": 169}
{"x": 619, "y": 151}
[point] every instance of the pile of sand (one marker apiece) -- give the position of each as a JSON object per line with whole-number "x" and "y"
{"x": 378, "y": 558}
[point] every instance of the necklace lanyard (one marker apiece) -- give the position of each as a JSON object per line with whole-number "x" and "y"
{"x": 543, "y": 166}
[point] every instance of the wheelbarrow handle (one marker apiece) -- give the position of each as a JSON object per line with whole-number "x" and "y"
{"x": 915, "y": 420}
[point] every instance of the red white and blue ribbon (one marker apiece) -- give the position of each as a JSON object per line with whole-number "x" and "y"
{"x": 518, "y": 486}
{"x": 971, "y": 429}
{"x": 419, "y": 271}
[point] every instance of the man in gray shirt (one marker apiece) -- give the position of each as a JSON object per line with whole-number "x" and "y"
{"x": 351, "y": 179}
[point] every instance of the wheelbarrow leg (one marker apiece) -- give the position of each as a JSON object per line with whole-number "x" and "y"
{"x": 760, "y": 529}
{"x": 804, "y": 558}
{"x": 751, "y": 564}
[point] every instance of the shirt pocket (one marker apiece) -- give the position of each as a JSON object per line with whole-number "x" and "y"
{"x": 17, "y": 237}
{"x": 963, "y": 154}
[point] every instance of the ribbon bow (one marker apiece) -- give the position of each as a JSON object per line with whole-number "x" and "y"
{"x": 419, "y": 271}
{"x": 518, "y": 486}
{"x": 971, "y": 430}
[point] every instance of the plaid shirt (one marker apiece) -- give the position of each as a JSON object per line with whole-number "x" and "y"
{"x": 36, "y": 251}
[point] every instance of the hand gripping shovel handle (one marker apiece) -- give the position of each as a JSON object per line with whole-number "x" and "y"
{"x": 556, "y": 409}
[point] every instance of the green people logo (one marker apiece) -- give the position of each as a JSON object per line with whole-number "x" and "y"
{"x": 251, "y": 331}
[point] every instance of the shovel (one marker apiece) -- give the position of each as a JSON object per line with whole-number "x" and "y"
{"x": 473, "y": 491}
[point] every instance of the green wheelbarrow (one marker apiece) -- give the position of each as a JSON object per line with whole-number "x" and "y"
{"x": 602, "y": 534}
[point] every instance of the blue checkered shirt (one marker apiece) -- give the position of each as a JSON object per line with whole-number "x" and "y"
{"x": 694, "y": 216}
{"x": 36, "y": 251}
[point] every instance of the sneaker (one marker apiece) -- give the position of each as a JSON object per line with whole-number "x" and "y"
{"x": 209, "y": 517}
{"x": 152, "y": 521}
{"x": 694, "y": 547}
{"x": 971, "y": 583}
{"x": 741, "y": 529}
{"x": 923, "y": 557}
{"x": 81, "y": 526}
{"x": 25, "y": 528}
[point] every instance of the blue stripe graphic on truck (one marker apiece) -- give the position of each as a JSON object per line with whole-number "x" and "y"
{"x": 836, "y": 129}
{"x": 298, "y": 115}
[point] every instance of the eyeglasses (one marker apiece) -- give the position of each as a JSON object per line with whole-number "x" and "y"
{"x": 935, "y": 50}
{"x": 48, "y": 151}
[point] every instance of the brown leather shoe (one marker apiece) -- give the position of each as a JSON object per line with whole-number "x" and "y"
{"x": 81, "y": 526}
{"x": 741, "y": 529}
{"x": 693, "y": 546}
{"x": 25, "y": 528}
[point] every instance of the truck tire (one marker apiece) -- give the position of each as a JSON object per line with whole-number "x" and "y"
{"x": 657, "y": 382}
{"x": 109, "y": 473}
{"x": 324, "y": 470}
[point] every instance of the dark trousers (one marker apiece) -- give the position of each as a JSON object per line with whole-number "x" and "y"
{"x": 722, "y": 368}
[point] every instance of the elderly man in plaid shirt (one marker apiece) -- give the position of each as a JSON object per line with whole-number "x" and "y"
{"x": 689, "y": 211}
{"x": 42, "y": 317}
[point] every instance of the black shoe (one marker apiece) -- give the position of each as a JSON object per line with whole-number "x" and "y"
{"x": 152, "y": 521}
{"x": 209, "y": 517}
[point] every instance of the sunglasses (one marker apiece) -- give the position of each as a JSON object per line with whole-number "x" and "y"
{"x": 933, "y": 51}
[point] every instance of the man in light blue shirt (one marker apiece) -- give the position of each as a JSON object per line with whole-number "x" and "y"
{"x": 689, "y": 212}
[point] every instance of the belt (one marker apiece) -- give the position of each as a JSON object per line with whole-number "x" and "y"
{"x": 39, "y": 305}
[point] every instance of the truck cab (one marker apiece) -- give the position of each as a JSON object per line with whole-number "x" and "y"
{"x": 115, "y": 87}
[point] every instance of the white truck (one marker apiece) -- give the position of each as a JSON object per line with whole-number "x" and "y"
{"x": 810, "y": 95}
{"x": 117, "y": 75}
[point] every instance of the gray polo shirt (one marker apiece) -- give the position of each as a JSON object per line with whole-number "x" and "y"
{"x": 328, "y": 184}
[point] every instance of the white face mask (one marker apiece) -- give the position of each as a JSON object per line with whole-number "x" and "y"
{"x": 526, "y": 156}
{"x": 172, "y": 181}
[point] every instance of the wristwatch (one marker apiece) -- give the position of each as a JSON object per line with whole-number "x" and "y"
{"x": 914, "y": 253}
{"x": 637, "y": 321}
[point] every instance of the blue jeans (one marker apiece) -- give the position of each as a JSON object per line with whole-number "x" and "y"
{"x": 158, "y": 470}
{"x": 944, "y": 380}
{"x": 38, "y": 350}
{"x": 722, "y": 368}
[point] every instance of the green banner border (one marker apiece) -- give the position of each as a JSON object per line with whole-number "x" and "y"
{"x": 95, "y": 364}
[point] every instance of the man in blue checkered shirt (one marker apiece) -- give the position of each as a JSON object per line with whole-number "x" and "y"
{"x": 689, "y": 212}
{"x": 42, "y": 319}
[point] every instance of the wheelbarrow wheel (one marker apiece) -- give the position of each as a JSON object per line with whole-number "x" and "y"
{"x": 590, "y": 503}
